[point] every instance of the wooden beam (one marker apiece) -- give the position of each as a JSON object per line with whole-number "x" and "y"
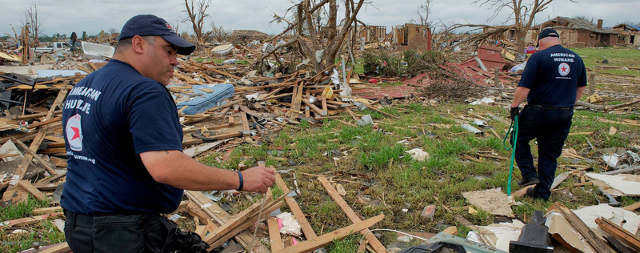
{"x": 353, "y": 216}
{"x": 10, "y": 193}
{"x": 296, "y": 210}
{"x": 274, "y": 234}
{"x": 595, "y": 241}
{"x": 46, "y": 210}
{"x": 29, "y": 220}
{"x": 220, "y": 216}
{"x": 24, "y": 184}
{"x": 619, "y": 233}
{"x": 244, "y": 226}
{"x": 44, "y": 163}
{"x": 310, "y": 245}
{"x": 237, "y": 219}
{"x": 313, "y": 107}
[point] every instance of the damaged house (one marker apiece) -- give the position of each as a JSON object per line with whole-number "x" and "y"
{"x": 577, "y": 32}
{"x": 412, "y": 36}
{"x": 631, "y": 32}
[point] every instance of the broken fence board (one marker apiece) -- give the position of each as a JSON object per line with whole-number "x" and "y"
{"x": 596, "y": 242}
{"x": 220, "y": 216}
{"x": 274, "y": 234}
{"x": 310, "y": 245}
{"x": 29, "y": 220}
{"x": 353, "y": 216}
{"x": 24, "y": 184}
{"x": 619, "y": 233}
{"x": 296, "y": 210}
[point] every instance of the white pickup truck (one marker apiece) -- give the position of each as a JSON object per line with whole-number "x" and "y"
{"x": 55, "y": 47}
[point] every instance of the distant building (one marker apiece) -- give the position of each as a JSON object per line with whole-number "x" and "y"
{"x": 246, "y": 36}
{"x": 577, "y": 32}
{"x": 412, "y": 36}
{"x": 632, "y": 32}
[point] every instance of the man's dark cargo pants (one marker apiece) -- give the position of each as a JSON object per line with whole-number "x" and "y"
{"x": 550, "y": 127}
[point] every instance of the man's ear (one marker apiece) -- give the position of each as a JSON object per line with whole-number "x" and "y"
{"x": 138, "y": 44}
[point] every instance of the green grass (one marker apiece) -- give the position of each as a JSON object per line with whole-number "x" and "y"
{"x": 621, "y": 57}
{"x": 22, "y": 209}
{"x": 44, "y": 232}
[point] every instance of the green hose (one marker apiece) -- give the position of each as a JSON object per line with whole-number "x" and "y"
{"x": 512, "y": 128}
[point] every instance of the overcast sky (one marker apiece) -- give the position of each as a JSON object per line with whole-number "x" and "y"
{"x": 66, "y": 16}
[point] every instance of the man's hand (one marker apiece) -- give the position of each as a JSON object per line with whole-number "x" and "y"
{"x": 515, "y": 111}
{"x": 258, "y": 179}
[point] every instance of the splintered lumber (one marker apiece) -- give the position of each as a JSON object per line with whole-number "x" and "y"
{"x": 268, "y": 208}
{"x": 310, "y": 245}
{"x": 220, "y": 216}
{"x": 44, "y": 163}
{"x": 353, "y": 216}
{"x": 313, "y": 107}
{"x": 619, "y": 233}
{"x": 24, "y": 184}
{"x": 596, "y": 242}
{"x": 274, "y": 234}
{"x": 46, "y": 210}
{"x": 29, "y": 220}
{"x": 10, "y": 193}
{"x": 236, "y": 220}
{"x": 62, "y": 247}
{"x": 296, "y": 210}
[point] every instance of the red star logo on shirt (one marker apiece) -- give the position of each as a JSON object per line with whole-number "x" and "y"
{"x": 564, "y": 69}
{"x": 76, "y": 133}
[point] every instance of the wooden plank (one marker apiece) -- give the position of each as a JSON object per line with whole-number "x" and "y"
{"x": 10, "y": 193}
{"x": 245, "y": 123}
{"x": 44, "y": 123}
{"x": 595, "y": 241}
{"x": 44, "y": 163}
{"x": 633, "y": 206}
{"x": 619, "y": 233}
{"x": 62, "y": 247}
{"x": 24, "y": 184}
{"x": 237, "y": 219}
{"x": 313, "y": 107}
{"x": 324, "y": 105}
{"x": 310, "y": 245}
{"x": 274, "y": 234}
{"x": 246, "y": 225}
{"x": 296, "y": 210}
{"x": 220, "y": 216}
{"x": 29, "y": 220}
{"x": 46, "y": 210}
{"x": 353, "y": 216}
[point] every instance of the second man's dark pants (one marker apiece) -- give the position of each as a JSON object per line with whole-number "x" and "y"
{"x": 550, "y": 127}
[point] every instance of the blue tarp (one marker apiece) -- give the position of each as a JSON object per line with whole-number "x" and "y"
{"x": 206, "y": 100}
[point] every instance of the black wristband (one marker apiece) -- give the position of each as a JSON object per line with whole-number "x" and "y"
{"x": 241, "y": 181}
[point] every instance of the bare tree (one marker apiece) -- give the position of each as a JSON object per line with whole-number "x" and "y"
{"x": 524, "y": 13}
{"x": 31, "y": 18}
{"x": 424, "y": 11}
{"x": 196, "y": 14}
{"x": 218, "y": 33}
{"x": 317, "y": 34}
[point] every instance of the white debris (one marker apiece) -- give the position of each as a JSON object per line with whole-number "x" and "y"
{"x": 623, "y": 184}
{"x": 365, "y": 120}
{"x": 484, "y": 101}
{"x": 418, "y": 154}
{"x": 611, "y": 160}
{"x": 503, "y": 233}
{"x": 290, "y": 225}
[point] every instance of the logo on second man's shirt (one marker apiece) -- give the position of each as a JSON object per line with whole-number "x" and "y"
{"x": 74, "y": 132}
{"x": 564, "y": 69}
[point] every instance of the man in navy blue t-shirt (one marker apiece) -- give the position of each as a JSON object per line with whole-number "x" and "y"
{"x": 553, "y": 80}
{"x": 124, "y": 143}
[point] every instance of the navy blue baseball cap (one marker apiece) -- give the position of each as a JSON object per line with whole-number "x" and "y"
{"x": 151, "y": 25}
{"x": 547, "y": 32}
